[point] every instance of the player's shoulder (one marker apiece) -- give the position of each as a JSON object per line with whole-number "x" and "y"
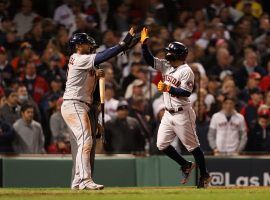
{"x": 239, "y": 115}
{"x": 81, "y": 56}
{"x": 218, "y": 115}
{"x": 185, "y": 68}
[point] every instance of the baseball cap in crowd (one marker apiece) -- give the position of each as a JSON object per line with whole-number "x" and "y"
{"x": 122, "y": 105}
{"x": 255, "y": 75}
{"x": 265, "y": 113}
{"x": 225, "y": 74}
{"x": 137, "y": 83}
{"x": 255, "y": 91}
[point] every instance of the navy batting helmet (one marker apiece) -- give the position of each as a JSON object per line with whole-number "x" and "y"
{"x": 176, "y": 51}
{"x": 81, "y": 38}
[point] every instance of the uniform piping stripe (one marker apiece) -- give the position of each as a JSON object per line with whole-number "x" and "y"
{"x": 83, "y": 139}
{"x": 193, "y": 130}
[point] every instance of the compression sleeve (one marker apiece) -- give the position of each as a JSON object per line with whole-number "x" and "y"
{"x": 148, "y": 57}
{"x": 179, "y": 92}
{"x": 107, "y": 54}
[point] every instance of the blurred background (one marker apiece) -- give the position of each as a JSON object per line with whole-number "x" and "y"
{"x": 229, "y": 52}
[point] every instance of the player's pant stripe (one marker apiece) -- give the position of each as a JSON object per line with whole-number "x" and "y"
{"x": 193, "y": 129}
{"x": 83, "y": 139}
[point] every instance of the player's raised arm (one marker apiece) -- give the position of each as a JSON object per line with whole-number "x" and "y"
{"x": 148, "y": 57}
{"x": 113, "y": 51}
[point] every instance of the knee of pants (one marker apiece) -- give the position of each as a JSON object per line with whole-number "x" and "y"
{"x": 161, "y": 146}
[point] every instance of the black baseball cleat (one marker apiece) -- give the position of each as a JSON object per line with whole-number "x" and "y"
{"x": 186, "y": 171}
{"x": 204, "y": 181}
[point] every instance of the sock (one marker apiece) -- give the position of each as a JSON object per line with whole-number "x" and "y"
{"x": 172, "y": 153}
{"x": 199, "y": 158}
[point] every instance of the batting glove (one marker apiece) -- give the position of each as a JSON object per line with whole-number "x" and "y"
{"x": 162, "y": 87}
{"x": 144, "y": 35}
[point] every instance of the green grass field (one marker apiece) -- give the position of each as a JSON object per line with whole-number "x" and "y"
{"x": 162, "y": 193}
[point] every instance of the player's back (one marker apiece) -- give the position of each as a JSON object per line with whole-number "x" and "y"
{"x": 81, "y": 78}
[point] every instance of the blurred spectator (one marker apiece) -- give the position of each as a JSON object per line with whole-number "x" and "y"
{"x": 3, "y": 9}
{"x": 121, "y": 17}
{"x": 110, "y": 77}
{"x": 6, "y": 137}
{"x": 202, "y": 125}
{"x": 129, "y": 141}
{"x": 35, "y": 37}
{"x": 158, "y": 11}
{"x": 110, "y": 102}
{"x": 267, "y": 98}
{"x": 137, "y": 90}
{"x": 265, "y": 82}
{"x": 29, "y": 135}
{"x": 9, "y": 112}
{"x": 19, "y": 62}
{"x": 6, "y": 26}
{"x": 24, "y": 19}
{"x": 250, "y": 7}
{"x": 60, "y": 131}
{"x": 250, "y": 64}
{"x": 86, "y": 24}
{"x": 215, "y": 9}
{"x": 224, "y": 60}
{"x": 11, "y": 44}
{"x": 134, "y": 71}
{"x": 36, "y": 85}
{"x": 252, "y": 82}
{"x": 63, "y": 14}
{"x": 205, "y": 98}
{"x": 6, "y": 70}
{"x": 49, "y": 28}
{"x": 227, "y": 132}
{"x": 158, "y": 110}
{"x": 250, "y": 111}
{"x": 259, "y": 136}
{"x": 104, "y": 16}
{"x": 23, "y": 97}
{"x": 54, "y": 69}
{"x": 149, "y": 89}
{"x": 140, "y": 112}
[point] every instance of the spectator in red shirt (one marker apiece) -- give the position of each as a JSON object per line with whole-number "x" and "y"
{"x": 36, "y": 85}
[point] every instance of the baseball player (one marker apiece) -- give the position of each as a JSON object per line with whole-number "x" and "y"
{"x": 179, "y": 117}
{"x": 82, "y": 77}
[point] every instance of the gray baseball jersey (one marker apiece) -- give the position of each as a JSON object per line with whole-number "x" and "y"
{"x": 181, "y": 124}
{"x": 180, "y": 77}
{"x": 81, "y": 78}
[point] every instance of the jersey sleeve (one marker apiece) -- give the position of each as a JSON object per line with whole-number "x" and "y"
{"x": 213, "y": 123}
{"x": 82, "y": 61}
{"x": 161, "y": 64}
{"x": 243, "y": 126}
{"x": 187, "y": 80}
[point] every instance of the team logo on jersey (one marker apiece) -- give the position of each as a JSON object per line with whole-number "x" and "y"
{"x": 172, "y": 80}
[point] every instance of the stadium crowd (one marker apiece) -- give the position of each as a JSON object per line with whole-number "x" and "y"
{"x": 229, "y": 52}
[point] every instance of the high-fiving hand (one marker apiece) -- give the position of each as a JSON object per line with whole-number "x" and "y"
{"x": 144, "y": 35}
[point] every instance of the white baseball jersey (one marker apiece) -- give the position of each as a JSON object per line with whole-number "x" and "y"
{"x": 81, "y": 78}
{"x": 227, "y": 132}
{"x": 180, "y": 77}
